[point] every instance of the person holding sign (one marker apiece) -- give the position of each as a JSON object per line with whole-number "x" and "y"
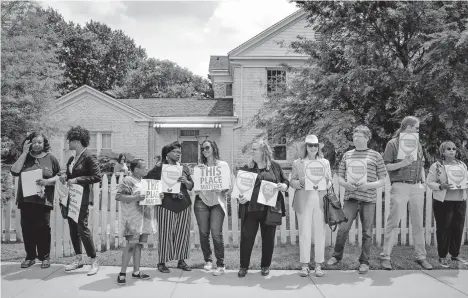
{"x": 449, "y": 202}
{"x": 173, "y": 215}
{"x": 210, "y": 205}
{"x": 308, "y": 203}
{"x": 360, "y": 195}
{"x": 254, "y": 214}
{"x": 137, "y": 220}
{"x": 407, "y": 177}
{"x": 82, "y": 170}
{"x": 35, "y": 196}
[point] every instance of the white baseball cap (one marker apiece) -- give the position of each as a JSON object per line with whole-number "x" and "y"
{"x": 311, "y": 139}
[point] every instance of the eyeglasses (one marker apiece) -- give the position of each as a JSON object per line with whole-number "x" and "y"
{"x": 312, "y": 145}
{"x": 451, "y": 149}
{"x": 206, "y": 148}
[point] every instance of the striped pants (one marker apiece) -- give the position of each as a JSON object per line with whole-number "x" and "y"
{"x": 174, "y": 234}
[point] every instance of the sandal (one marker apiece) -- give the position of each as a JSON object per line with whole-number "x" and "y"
{"x": 27, "y": 263}
{"x": 45, "y": 264}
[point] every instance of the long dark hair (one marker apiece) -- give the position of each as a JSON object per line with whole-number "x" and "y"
{"x": 213, "y": 145}
{"x": 34, "y": 134}
{"x": 121, "y": 155}
{"x": 168, "y": 148}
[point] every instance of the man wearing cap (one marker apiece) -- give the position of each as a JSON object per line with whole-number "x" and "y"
{"x": 360, "y": 196}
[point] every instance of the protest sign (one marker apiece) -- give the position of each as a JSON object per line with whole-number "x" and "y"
{"x": 356, "y": 171}
{"x": 315, "y": 175}
{"x": 75, "y": 193}
{"x": 268, "y": 193}
{"x": 169, "y": 176}
{"x": 243, "y": 185}
{"x": 151, "y": 189}
{"x": 28, "y": 182}
{"x": 408, "y": 145}
{"x": 211, "y": 178}
{"x": 457, "y": 176}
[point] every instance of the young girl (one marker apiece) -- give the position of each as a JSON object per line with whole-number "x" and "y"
{"x": 137, "y": 220}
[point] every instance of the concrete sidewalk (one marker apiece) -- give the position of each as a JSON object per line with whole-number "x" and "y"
{"x": 55, "y": 283}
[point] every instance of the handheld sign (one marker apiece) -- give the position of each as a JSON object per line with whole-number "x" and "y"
{"x": 356, "y": 171}
{"x": 409, "y": 143}
{"x": 151, "y": 188}
{"x": 457, "y": 176}
{"x": 28, "y": 182}
{"x": 268, "y": 193}
{"x": 315, "y": 175}
{"x": 169, "y": 176}
{"x": 211, "y": 178}
{"x": 76, "y": 195}
{"x": 61, "y": 192}
{"x": 243, "y": 185}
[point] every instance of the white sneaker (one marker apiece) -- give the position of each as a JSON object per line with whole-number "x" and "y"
{"x": 332, "y": 261}
{"x": 219, "y": 271}
{"x": 304, "y": 271}
{"x": 77, "y": 263}
{"x": 94, "y": 268}
{"x": 208, "y": 266}
{"x": 318, "y": 270}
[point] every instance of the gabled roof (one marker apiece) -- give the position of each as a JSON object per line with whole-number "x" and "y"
{"x": 182, "y": 107}
{"x": 219, "y": 63}
{"x": 292, "y": 18}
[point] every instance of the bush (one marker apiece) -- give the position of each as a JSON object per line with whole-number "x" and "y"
{"x": 7, "y": 184}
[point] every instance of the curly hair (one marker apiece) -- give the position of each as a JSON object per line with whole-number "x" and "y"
{"x": 35, "y": 134}
{"x": 213, "y": 145}
{"x": 168, "y": 148}
{"x": 79, "y": 133}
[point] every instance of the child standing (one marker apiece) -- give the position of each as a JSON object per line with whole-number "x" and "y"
{"x": 137, "y": 220}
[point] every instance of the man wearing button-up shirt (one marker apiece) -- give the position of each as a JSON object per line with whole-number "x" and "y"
{"x": 407, "y": 178}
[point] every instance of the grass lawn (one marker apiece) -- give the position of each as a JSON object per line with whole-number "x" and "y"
{"x": 284, "y": 257}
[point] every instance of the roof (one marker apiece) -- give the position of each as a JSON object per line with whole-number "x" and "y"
{"x": 219, "y": 63}
{"x": 182, "y": 107}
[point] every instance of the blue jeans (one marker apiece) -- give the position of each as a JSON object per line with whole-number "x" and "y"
{"x": 366, "y": 213}
{"x": 210, "y": 218}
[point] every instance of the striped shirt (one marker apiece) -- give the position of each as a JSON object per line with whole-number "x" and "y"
{"x": 410, "y": 172}
{"x": 375, "y": 171}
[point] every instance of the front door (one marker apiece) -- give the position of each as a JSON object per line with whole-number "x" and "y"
{"x": 189, "y": 152}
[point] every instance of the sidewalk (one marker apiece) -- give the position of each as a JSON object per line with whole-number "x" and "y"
{"x": 55, "y": 283}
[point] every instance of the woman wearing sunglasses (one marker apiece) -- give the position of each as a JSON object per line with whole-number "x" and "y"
{"x": 210, "y": 208}
{"x": 449, "y": 204}
{"x": 308, "y": 205}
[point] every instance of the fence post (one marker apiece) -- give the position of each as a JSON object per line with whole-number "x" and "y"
{"x": 104, "y": 201}
{"x": 378, "y": 217}
{"x": 95, "y": 220}
{"x": 429, "y": 216}
{"x": 8, "y": 221}
{"x": 235, "y": 225}
{"x": 112, "y": 203}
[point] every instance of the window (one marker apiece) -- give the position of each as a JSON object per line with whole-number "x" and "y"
{"x": 189, "y": 152}
{"x": 276, "y": 81}
{"x": 278, "y": 145}
{"x": 92, "y": 147}
{"x": 228, "y": 90}
{"x": 189, "y": 133}
{"x": 106, "y": 141}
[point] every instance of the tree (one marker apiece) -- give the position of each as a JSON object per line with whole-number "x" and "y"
{"x": 30, "y": 73}
{"x": 375, "y": 63}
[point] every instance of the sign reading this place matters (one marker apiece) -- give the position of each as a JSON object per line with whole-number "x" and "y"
{"x": 211, "y": 178}
{"x": 151, "y": 188}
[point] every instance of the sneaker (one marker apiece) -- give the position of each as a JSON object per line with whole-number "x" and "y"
{"x": 385, "y": 264}
{"x": 425, "y": 264}
{"x": 265, "y": 271}
{"x": 27, "y": 263}
{"x": 242, "y": 272}
{"x": 94, "y": 268}
{"x": 460, "y": 260}
{"x": 219, "y": 271}
{"x": 332, "y": 261}
{"x": 363, "y": 268}
{"x": 443, "y": 262}
{"x": 141, "y": 275}
{"x": 182, "y": 265}
{"x": 77, "y": 263}
{"x": 318, "y": 270}
{"x": 208, "y": 266}
{"x": 163, "y": 268}
{"x": 122, "y": 279}
{"x": 304, "y": 272}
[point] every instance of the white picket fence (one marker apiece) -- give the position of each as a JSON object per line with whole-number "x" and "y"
{"x": 104, "y": 217}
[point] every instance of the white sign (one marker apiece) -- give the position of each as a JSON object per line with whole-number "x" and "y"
{"x": 211, "y": 178}
{"x": 456, "y": 175}
{"x": 28, "y": 182}
{"x": 409, "y": 143}
{"x": 268, "y": 193}
{"x": 76, "y": 196}
{"x": 356, "y": 171}
{"x": 61, "y": 192}
{"x": 169, "y": 176}
{"x": 244, "y": 185}
{"x": 315, "y": 175}
{"x": 151, "y": 188}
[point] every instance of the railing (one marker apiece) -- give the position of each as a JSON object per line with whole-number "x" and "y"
{"x": 104, "y": 222}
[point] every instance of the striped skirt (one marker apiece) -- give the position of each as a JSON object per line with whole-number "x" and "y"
{"x": 174, "y": 234}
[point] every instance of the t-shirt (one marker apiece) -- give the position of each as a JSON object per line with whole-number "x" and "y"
{"x": 411, "y": 172}
{"x": 376, "y": 170}
{"x": 50, "y": 167}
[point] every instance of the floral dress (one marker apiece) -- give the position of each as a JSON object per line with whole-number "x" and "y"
{"x": 136, "y": 219}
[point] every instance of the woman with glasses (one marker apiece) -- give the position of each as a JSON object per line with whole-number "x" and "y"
{"x": 308, "y": 205}
{"x": 210, "y": 208}
{"x": 449, "y": 204}
{"x": 35, "y": 209}
{"x": 173, "y": 215}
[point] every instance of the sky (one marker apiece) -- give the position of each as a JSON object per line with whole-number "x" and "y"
{"x": 186, "y": 32}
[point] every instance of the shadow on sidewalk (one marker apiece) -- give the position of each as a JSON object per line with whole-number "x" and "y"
{"x": 12, "y": 272}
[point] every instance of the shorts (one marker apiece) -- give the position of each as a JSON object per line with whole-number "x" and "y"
{"x": 133, "y": 239}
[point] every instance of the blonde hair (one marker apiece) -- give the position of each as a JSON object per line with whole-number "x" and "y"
{"x": 443, "y": 147}
{"x": 267, "y": 153}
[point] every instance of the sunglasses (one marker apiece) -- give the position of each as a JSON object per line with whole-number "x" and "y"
{"x": 206, "y": 148}
{"x": 312, "y": 145}
{"x": 451, "y": 149}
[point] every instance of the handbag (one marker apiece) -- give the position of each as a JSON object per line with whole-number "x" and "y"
{"x": 333, "y": 213}
{"x": 274, "y": 216}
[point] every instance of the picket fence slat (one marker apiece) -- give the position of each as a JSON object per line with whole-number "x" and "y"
{"x": 112, "y": 212}
{"x": 95, "y": 216}
{"x": 104, "y": 204}
{"x": 8, "y": 221}
{"x": 378, "y": 217}
{"x": 428, "y": 216}
{"x": 404, "y": 217}
{"x": 235, "y": 222}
